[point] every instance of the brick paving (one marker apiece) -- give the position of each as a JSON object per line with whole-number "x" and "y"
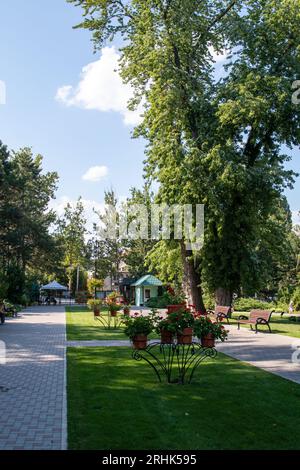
{"x": 32, "y": 382}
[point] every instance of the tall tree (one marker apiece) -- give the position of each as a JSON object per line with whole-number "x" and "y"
{"x": 136, "y": 249}
{"x": 71, "y": 233}
{"x": 217, "y": 143}
{"x": 26, "y": 241}
{"x": 109, "y": 242}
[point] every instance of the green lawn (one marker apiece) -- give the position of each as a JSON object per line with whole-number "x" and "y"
{"x": 116, "y": 403}
{"x": 279, "y": 325}
{"x": 81, "y": 326}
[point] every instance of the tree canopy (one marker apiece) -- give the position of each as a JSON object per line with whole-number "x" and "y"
{"x": 214, "y": 141}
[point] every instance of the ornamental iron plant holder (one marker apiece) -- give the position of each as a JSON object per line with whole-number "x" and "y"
{"x": 109, "y": 322}
{"x": 177, "y": 362}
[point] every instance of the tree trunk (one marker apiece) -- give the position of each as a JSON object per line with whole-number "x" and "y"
{"x": 223, "y": 297}
{"x": 191, "y": 279}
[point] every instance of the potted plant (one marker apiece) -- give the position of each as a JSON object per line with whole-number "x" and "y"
{"x": 176, "y": 300}
{"x": 114, "y": 308}
{"x": 138, "y": 328}
{"x": 95, "y": 305}
{"x": 183, "y": 323}
{"x": 126, "y": 309}
{"x": 208, "y": 331}
{"x": 167, "y": 329}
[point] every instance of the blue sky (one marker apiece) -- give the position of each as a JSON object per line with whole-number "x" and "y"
{"x": 41, "y": 61}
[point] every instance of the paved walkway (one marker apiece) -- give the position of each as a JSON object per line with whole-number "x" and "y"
{"x": 32, "y": 382}
{"x": 271, "y": 352}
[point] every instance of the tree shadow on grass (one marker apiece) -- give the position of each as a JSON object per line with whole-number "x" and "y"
{"x": 117, "y": 403}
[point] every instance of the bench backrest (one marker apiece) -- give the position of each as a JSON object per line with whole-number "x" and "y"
{"x": 222, "y": 309}
{"x": 255, "y": 314}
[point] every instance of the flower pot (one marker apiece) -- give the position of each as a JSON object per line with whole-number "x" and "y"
{"x": 96, "y": 312}
{"x": 139, "y": 341}
{"x": 208, "y": 341}
{"x": 166, "y": 337}
{"x": 185, "y": 336}
{"x": 113, "y": 313}
{"x": 174, "y": 308}
{"x": 126, "y": 311}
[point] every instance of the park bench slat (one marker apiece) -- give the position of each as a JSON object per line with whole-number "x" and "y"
{"x": 257, "y": 317}
{"x": 222, "y": 312}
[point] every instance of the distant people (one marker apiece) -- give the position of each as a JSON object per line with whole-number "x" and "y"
{"x": 291, "y": 307}
{"x": 53, "y": 300}
{"x": 47, "y": 300}
{"x": 2, "y": 312}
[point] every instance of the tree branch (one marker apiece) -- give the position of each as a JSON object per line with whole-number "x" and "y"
{"x": 124, "y": 8}
{"x": 222, "y": 14}
{"x": 219, "y": 17}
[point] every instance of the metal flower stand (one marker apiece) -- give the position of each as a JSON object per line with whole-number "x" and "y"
{"x": 177, "y": 362}
{"x": 109, "y": 322}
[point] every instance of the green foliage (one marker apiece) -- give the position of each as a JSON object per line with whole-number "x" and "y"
{"x": 296, "y": 299}
{"x": 165, "y": 261}
{"x": 136, "y": 249}
{"x": 166, "y": 299}
{"x": 26, "y": 244}
{"x": 247, "y": 304}
{"x": 94, "y": 303}
{"x": 180, "y": 320}
{"x": 221, "y": 143}
{"x": 138, "y": 325}
{"x": 71, "y": 232}
{"x": 203, "y": 326}
{"x": 25, "y": 300}
{"x": 157, "y": 302}
{"x": 94, "y": 284}
{"x": 106, "y": 253}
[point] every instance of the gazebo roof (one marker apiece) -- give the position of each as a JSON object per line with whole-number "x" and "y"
{"x": 54, "y": 286}
{"x": 147, "y": 280}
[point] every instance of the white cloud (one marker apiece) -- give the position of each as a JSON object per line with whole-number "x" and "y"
{"x": 101, "y": 88}
{"x": 218, "y": 56}
{"x": 95, "y": 173}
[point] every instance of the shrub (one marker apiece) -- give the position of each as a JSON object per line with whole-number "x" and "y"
{"x": 170, "y": 297}
{"x": 296, "y": 299}
{"x": 25, "y": 300}
{"x": 247, "y": 304}
{"x": 158, "y": 302}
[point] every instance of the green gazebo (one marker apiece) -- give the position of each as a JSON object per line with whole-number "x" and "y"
{"x": 146, "y": 288}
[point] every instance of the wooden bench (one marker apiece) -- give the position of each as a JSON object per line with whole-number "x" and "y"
{"x": 221, "y": 312}
{"x": 257, "y": 317}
